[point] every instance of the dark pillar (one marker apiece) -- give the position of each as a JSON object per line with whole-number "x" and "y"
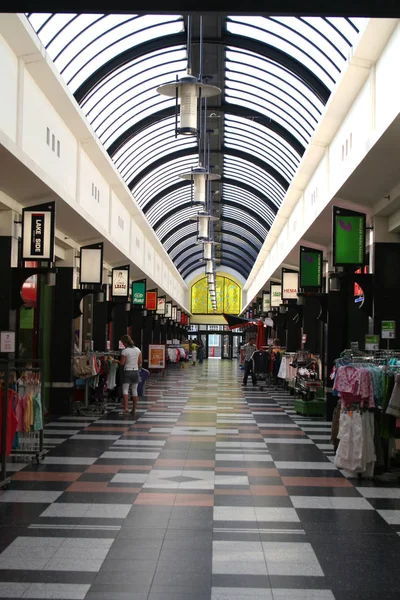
{"x": 6, "y": 284}
{"x": 312, "y": 326}
{"x": 120, "y": 324}
{"x": 386, "y": 289}
{"x": 156, "y": 338}
{"x": 147, "y": 338}
{"x": 136, "y": 320}
{"x": 293, "y": 329}
{"x": 62, "y": 343}
{"x": 100, "y": 326}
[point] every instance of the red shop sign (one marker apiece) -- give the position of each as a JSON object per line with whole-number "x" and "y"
{"x": 151, "y": 300}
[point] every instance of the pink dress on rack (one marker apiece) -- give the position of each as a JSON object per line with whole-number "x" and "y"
{"x": 355, "y": 386}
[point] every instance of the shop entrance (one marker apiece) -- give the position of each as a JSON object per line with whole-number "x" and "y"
{"x": 218, "y": 343}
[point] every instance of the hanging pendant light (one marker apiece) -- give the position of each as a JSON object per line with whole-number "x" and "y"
{"x": 188, "y": 90}
{"x": 207, "y": 250}
{"x": 203, "y": 219}
{"x": 209, "y": 267}
{"x": 199, "y": 176}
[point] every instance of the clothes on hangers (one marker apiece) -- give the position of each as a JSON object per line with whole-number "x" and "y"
{"x": 356, "y": 450}
{"x": 11, "y": 420}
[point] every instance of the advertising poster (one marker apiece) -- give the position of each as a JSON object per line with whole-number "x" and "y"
{"x": 310, "y": 267}
{"x": 151, "y": 300}
{"x": 161, "y": 305}
{"x": 290, "y": 285}
{"x": 276, "y": 295}
{"x": 120, "y": 282}
{"x": 266, "y": 302}
{"x": 91, "y": 270}
{"x": 348, "y": 237}
{"x": 139, "y": 292}
{"x": 168, "y": 310}
{"x": 156, "y": 356}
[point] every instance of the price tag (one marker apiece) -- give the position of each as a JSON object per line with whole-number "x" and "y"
{"x": 388, "y": 330}
{"x": 7, "y": 341}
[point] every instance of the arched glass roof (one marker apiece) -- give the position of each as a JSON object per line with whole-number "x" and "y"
{"x": 278, "y": 73}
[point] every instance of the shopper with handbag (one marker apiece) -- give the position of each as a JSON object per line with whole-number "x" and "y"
{"x": 131, "y": 360}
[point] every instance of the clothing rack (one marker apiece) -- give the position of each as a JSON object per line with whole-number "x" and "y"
{"x": 385, "y": 434}
{"x": 16, "y": 368}
{"x": 86, "y": 408}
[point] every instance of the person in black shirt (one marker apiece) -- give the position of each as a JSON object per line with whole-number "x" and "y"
{"x": 249, "y": 348}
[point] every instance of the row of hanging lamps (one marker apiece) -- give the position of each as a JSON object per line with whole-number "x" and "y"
{"x": 191, "y": 95}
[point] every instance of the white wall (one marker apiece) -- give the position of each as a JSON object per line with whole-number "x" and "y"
{"x": 38, "y": 115}
{"x": 8, "y": 87}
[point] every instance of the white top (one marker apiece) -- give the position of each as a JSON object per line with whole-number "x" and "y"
{"x": 132, "y": 355}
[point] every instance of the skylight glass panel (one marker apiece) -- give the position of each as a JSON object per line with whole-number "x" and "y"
{"x": 246, "y": 199}
{"x": 271, "y": 32}
{"x": 177, "y": 218}
{"x": 167, "y": 173}
{"x": 276, "y": 81}
{"x": 171, "y": 201}
{"x": 190, "y": 242}
{"x": 228, "y": 238}
{"x": 244, "y": 91}
{"x": 267, "y": 135}
{"x": 239, "y": 213}
{"x": 170, "y": 239}
{"x": 236, "y": 227}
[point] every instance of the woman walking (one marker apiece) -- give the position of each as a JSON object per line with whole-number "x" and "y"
{"x": 194, "y": 352}
{"x": 131, "y": 360}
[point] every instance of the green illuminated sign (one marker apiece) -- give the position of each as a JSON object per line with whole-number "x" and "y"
{"x": 310, "y": 268}
{"x": 139, "y": 292}
{"x": 348, "y": 238}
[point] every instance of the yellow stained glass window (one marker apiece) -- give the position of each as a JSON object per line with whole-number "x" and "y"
{"x": 228, "y": 295}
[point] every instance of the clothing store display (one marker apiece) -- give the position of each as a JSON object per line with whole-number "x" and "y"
{"x": 356, "y": 450}
{"x": 369, "y": 402}
{"x": 394, "y": 402}
{"x": 11, "y": 420}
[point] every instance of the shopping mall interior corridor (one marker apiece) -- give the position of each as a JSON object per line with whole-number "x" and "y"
{"x": 217, "y": 492}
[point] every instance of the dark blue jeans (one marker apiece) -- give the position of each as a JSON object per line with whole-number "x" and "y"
{"x": 248, "y": 370}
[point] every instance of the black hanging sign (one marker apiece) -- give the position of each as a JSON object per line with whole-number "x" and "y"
{"x": 38, "y": 227}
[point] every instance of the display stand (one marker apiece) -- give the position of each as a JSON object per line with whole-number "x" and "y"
{"x": 157, "y": 358}
{"x": 33, "y": 446}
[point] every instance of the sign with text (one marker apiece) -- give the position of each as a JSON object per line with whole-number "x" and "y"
{"x": 388, "y": 330}
{"x": 120, "y": 282}
{"x": 7, "y": 341}
{"x": 310, "y": 267}
{"x": 156, "y": 356}
{"x": 348, "y": 237}
{"x": 266, "y": 302}
{"x": 139, "y": 292}
{"x": 168, "y": 310}
{"x": 276, "y": 295}
{"x": 161, "y": 305}
{"x": 151, "y": 300}
{"x": 290, "y": 285}
{"x": 371, "y": 342}
{"x": 91, "y": 268}
{"x": 179, "y": 316}
{"x": 38, "y": 232}
{"x": 174, "y": 311}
